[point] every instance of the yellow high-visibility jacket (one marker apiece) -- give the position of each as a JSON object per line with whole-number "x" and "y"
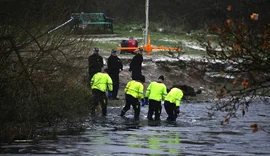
{"x": 156, "y": 91}
{"x": 102, "y": 82}
{"x": 174, "y": 96}
{"x": 135, "y": 89}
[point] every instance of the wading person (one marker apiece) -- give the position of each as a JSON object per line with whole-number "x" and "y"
{"x": 115, "y": 66}
{"x": 155, "y": 92}
{"x": 134, "y": 91}
{"x": 172, "y": 103}
{"x": 100, "y": 83}
{"x": 95, "y": 63}
{"x": 135, "y": 65}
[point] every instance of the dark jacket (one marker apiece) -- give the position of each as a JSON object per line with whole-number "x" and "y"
{"x": 95, "y": 63}
{"x": 136, "y": 66}
{"x": 114, "y": 65}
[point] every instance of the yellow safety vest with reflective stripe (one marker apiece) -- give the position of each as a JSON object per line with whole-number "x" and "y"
{"x": 175, "y": 96}
{"x": 101, "y": 81}
{"x": 156, "y": 91}
{"x": 135, "y": 89}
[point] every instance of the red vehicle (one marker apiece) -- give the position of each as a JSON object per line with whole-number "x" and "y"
{"x": 130, "y": 44}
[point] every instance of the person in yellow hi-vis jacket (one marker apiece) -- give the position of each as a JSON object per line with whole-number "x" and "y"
{"x": 155, "y": 92}
{"x": 134, "y": 91}
{"x": 100, "y": 83}
{"x": 172, "y": 103}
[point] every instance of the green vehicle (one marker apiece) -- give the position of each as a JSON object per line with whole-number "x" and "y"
{"x": 92, "y": 19}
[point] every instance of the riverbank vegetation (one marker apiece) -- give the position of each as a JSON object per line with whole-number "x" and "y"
{"x": 41, "y": 79}
{"x": 242, "y": 45}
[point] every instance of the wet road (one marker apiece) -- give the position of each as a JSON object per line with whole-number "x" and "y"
{"x": 194, "y": 133}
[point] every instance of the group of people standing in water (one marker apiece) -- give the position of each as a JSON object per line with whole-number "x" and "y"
{"x": 135, "y": 96}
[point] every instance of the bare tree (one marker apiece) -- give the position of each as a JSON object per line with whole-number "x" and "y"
{"x": 42, "y": 69}
{"x": 241, "y": 49}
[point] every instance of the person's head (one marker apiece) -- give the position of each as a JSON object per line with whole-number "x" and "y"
{"x": 161, "y": 78}
{"x": 169, "y": 89}
{"x": 105, "y": 70}
{"x": 113, "y": 52}
{"x": 140, "y": 51}
{"x": 96, "y": 50}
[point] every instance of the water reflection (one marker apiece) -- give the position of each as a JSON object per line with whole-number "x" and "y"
{"x": 194, "y": 133}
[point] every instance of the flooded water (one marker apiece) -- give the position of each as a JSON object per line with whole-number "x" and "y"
{"x": 194, "y": 133}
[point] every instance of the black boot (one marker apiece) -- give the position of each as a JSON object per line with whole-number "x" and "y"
{"x": 122, "y": 113}
{"x": 150, "y": 116}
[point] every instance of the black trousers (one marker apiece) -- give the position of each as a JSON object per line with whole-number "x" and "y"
{"x": 115, "y": 79}
{"x": 154, "y": 107}
{"x": 171, "y": 111}
{"x": 130, "y": 100}
{"x": 136, "y": 74}
{"x": 99, "y": 97}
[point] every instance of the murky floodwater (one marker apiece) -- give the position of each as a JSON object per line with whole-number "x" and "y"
{"x": 194, "y": 133}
